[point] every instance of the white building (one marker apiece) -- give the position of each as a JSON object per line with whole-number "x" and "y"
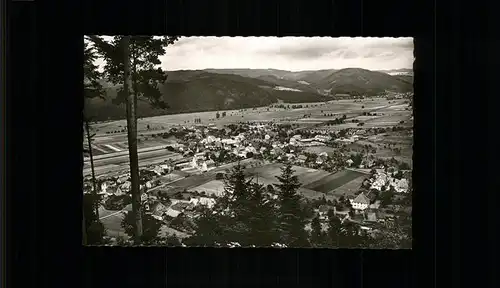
{"x": 210, "y": 140}
{"x": 229, "y": 141}
{"x": 209, "y": 202}
{"x": 306, "y": 140}
{"x": 380, "y": 180}
{"x": 361, "y": 202}
{"x": 250, "y": 148}
{"x": 194, "y": 162}
{"x": 104, "y": 186}
{"x": 322, "y": 138}
{"x": 401, "y": 186}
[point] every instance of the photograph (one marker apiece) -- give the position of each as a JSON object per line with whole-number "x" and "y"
{"x": 251, "y": 142}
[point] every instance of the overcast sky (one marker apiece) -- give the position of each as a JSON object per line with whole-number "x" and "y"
{"x": 289, "y": 53}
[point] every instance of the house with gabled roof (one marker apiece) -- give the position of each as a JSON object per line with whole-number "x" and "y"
{"x": 157, "y": 210}
{"x": 361, "y": 202}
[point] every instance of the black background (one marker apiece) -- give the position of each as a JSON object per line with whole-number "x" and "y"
{"x": 455, "y": 73}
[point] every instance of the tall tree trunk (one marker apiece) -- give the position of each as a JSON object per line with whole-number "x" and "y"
{"x": 132, "y": 142}
{"x": 84, "y": 229}
{"x": 94, "y": 181}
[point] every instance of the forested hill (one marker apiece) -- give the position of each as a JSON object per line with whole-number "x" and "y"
{"x": 223, "y": 89}
{"x": 194, "y": 91}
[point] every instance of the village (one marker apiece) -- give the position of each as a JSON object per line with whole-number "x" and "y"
{"x": 362, "y": 173}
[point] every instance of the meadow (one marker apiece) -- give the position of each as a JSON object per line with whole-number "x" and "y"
{"x": 315, "y": 110}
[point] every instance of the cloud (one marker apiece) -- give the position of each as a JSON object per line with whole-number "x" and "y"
{"x": 289, "y": 53}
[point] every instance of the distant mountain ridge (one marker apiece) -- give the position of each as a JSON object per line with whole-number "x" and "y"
{"x": 362, "y": 82}
{"x": 222, "y": 89}
{"x": 330, "y": 81}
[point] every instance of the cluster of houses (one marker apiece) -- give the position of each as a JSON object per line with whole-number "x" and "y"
{"x": 385, "y": 179}
{"x": 256, "y": 139}
{"x": 366, "y": 206}
{"x": 318, "y": 140}
{"x": 164, "y": 211}
{"x": 200, "y": 146}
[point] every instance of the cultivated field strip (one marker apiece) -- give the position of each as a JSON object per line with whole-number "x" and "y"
{"x": 333, "y": 181}
{"x": 350, "y": 187}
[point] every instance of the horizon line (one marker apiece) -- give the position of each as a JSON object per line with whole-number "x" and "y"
{"x": 198, "y": 69}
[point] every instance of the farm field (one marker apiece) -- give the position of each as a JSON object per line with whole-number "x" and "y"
{"x": 189, "y": 183}
{"x": 393, "y": 119}
{"x": 267, "y": 174}
{"x": 338, "y": 127}
{"x": 120, "y": 163}
{"x": 398, "y": 139}
{"x": 311, "y": 194}
{"x": 125, "y": 157}
{"x": 350, "y": 187}
{"x": 119, "y": 144}
{"x": 171, "y": 177}
{"x": 214, "y": 187}
{"x": 317, "y": 110}
{"x": 333, "y": 181}
{"x": 320, "y": 149}
{"x": 365, "y": 118}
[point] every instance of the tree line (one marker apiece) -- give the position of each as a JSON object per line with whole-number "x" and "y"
{"x": 249, "y": 215}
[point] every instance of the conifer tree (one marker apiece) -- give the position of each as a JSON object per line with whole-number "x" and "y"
{"x": 94, "y": 229}
{"x": 209, "y": 228}
{"x": 317, "y": 234}
{"x": 150, "y": 233}
{"x": 262, "y": 219}
{"x": 236, "y": 202}
{"x": 334, "y": 233}
{"x": 225, "y": 222}
{"x": 92, "y": 89}
{"x": 133, "y": 62}
{"x": 352, "y": 237}
{"x": 291, "y": 220}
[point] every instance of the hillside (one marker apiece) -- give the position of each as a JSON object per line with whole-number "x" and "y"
{"x": 403, "y": 71}
{"x": 311, "y": 77}
{"x": 224, "y": 89}
{"x": 193, "y": 91}
{"x": 252, "y": 73}
{"x": 406, "y": 78}
{"x": 362, "y": 81}
{"x": 303, "y": 86}
{"x": 330, "y": 81}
